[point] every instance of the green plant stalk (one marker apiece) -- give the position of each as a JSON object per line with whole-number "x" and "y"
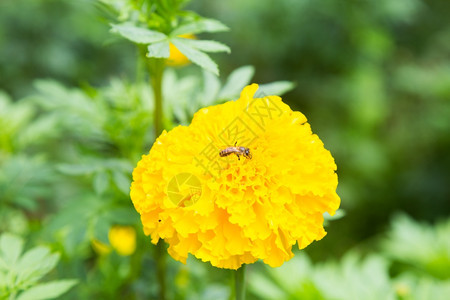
{"x": 160, "y": 259}
{"x": 156, "y": 71}
{"x": 239, "y": 281}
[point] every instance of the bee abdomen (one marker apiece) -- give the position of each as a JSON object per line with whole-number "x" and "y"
{"x": 224, "y": 152}
{"x": 227, "y": 151}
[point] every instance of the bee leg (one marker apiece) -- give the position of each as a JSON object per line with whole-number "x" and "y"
{"x": 238, "y": 157}
{"x": 235, "y": 144}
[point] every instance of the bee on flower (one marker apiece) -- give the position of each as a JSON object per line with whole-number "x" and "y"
{"x": 245, "y": 152}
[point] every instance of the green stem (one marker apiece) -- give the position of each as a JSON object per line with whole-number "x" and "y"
{"x": 160, "y": 259}
{"x": 156, "y": 70}
{"x": 240, "y": 283}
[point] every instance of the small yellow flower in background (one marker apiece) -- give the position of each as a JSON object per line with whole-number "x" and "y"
{"x": 176, "y": 58}
{"x": 123, "y": 239}
{"x": 246, "y": 208}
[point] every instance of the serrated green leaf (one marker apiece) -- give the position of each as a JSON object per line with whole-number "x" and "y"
{"x": 33, "y": 257}
{"x": 11, "y": 247}
{"x": 207, "y": 45}
{"x": 159, "y": 49}
{"x": 276, "y": 88}
{"x": 137, "y": 34}
{"x": 34, "y": 264}
{"x": 196, "y": 56}
{"x": 47, "y": 290}
{"x": 237, "y": 80}
{"x": 122, "y": 182}
{"x": 101, "y": 181}
{"x": 203, "y": 25}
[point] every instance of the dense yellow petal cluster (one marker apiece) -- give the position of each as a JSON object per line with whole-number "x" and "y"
{"x": 233, "y": 210}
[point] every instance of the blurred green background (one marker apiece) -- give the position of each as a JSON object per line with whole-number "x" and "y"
{"x": 372, "y": 77}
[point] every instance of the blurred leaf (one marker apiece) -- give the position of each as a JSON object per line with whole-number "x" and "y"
{"x": 354, "y": 279}
{"x": 13, "y": 220}
{"x": 265, "y": 288}
{"x": 101, "y": 182}
{"x": 216, "y": 291}
{"x": 137, "y": 34}
{"x": 211, "y": 87}
{"x": 202, "y": 25}
{"x": 340, "y": 213}
{"x": 101, "y": 226}
{"x": 207, "y": 45}
{"x": 48, "y": 290}
{"x": 77, "y": 169}
{"x": 420, "y": 245}
{"x": 196, "y": 56}
{"x": 410, "y": 287}
{"x": 72, "y": 223}
{"x": 276, "y": 88}
{"x": 237, "y": 80}
{"x": 122, "y": 182}
{"x": 10, "y": 249}
{"x": 22, "y": 272}
{"x": 39, "y": 131}
{"x": 159, "y": 49}
{"x": 34, "y": 264}
{"x": 23, "y": 179}
{"x": 14, "y": 118}
{"x": 121, "y": 215}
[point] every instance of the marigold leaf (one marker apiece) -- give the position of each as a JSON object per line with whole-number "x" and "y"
{"x": 47, "y": 290}
{"x": 10, "y": 248}
{"x": 208, "y": 45}
{"x": 159, "y": 49}
{"x": 236, "y": 82}
{"x": 122, "y": 182}
{"x": 34, "y": 264}
{"x": 196, "y": 56}
{"x": 101, "y": 181}
{"x": 203, "y": 25}
{"x": 101, "y": 227}
{"x": 275, "y": 88}
{"x": 137, "y": 34}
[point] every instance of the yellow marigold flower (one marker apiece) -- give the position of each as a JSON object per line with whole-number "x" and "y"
{"x": 240, "y": 209}
{"x": 123, "y": 239}
{"x": 176, "y": 58}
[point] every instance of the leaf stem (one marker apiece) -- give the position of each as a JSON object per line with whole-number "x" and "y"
{"x": 240, "y": 282}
